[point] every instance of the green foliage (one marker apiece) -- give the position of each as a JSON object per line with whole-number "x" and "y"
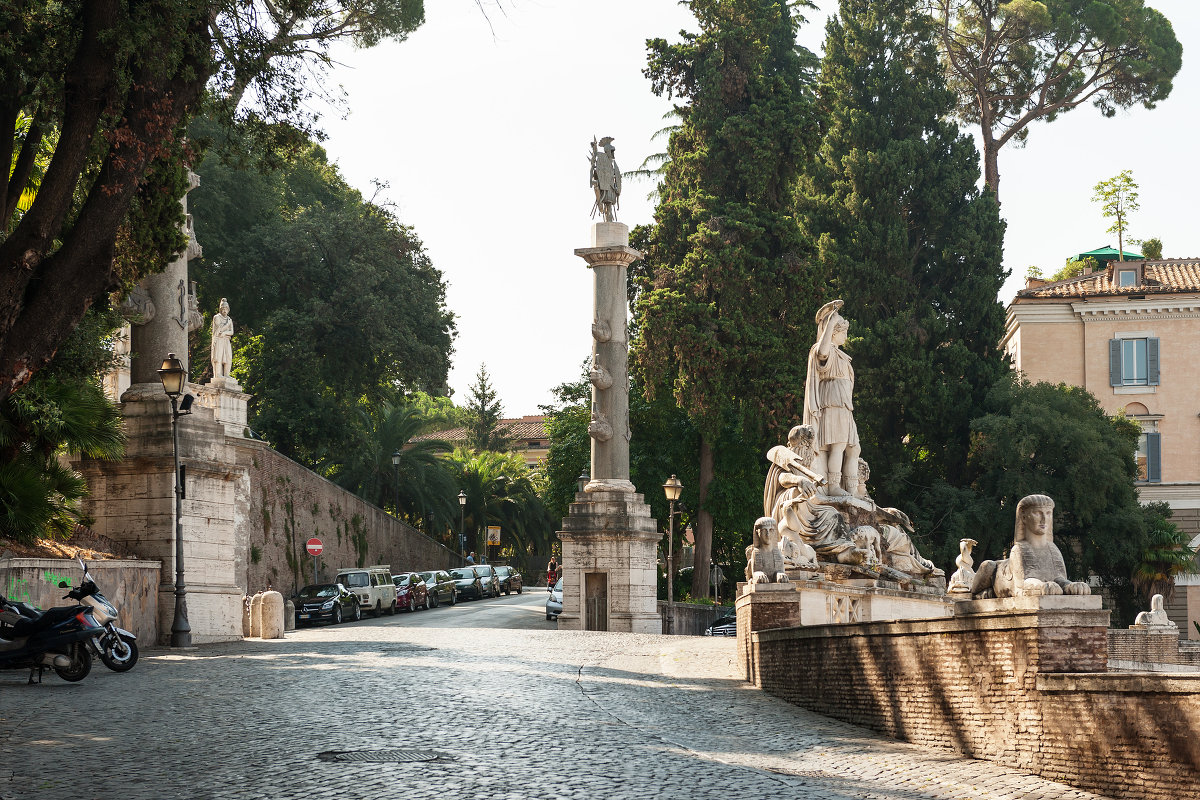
{"x": 483, "y": 413}
{"x": 502, "y": 491}
{"x": 723, "y": 286}
{"x": 335, "y": 302}
{"x": 909, "y": 242}
{"x": 1168, "y": 555}
{"x": 62, "y": 410}
{"x": 1076, "y": 267}
{"x": 1151, "y": 248}
{"x": 1038, "y": 438}
{"x": 1012, "y": 63}
{"x": 1033, "y": 271}
{"x": 1118, "y": 198}
{"x": 423, "y": 483}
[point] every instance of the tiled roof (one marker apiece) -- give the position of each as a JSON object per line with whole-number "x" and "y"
{"x": 1166, "y": 276}
{"x": 519, "y": 430}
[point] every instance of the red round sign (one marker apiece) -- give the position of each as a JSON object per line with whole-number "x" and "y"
{"x": 314, "y": 546}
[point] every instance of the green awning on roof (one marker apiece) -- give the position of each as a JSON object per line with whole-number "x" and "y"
{"x": 1106, "y": 254}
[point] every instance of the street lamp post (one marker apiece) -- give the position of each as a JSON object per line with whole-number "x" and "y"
{"x": 396, "y": 477}
{"x": 462, "y": 513}
{"x": 672, "y": 488}
{"x": 174, "y": 378}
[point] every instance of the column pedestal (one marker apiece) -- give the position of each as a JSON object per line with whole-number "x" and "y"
{"x": 228, "y": 403}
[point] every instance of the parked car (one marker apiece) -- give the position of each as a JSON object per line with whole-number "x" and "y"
{"x": 330, "y": 602}
{"x": 467, "y": 585}
{"x": 411, "y": 592}
{"x": 491, "y": 581}
{"x": 440, "y": 586}
{"x": 554, "y": 601}
{"x": 373, "y": 585}
{"x": 725, "y": 626}
{"x": 510, "y": 580}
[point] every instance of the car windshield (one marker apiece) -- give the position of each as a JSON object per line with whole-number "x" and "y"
{"x": 463, "y": 574}
{"x": 558, "y": 586}
{"x": 324, "y": 590}
{"x": 502, "y": 571}
{"x": 427, "y": 577}
{"x": 354, "y": 579}
{"x": 401, "y": 580}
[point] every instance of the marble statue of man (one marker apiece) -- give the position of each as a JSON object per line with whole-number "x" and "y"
{"x": 605, "y": 179}
{"x": 1035, "y": 565}
{"x": 829, "y": 403}
{"x": 222, "y": 341}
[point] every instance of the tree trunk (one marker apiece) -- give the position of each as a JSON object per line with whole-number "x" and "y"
{"x": 704, "y": 524}
{"x": 991, "y": 168}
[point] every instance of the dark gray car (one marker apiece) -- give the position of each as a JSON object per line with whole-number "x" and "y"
{"x": 440, "y": 586}
{"x": 489, "y": 579}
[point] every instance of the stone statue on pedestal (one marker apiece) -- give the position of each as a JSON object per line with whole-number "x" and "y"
{"x": 1035, "y": 565}
{"x": 605, "y": 178}
{"x": 1156, "y": 617}
{"x": 222, "y": 341}
{"x": 764, "y": 559}
{"x": 961, "y": 580}
{"x": 829, "y": 403}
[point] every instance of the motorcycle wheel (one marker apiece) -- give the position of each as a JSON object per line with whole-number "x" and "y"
{"x": 81, "y": 664}
{"x": 119, "y": 655}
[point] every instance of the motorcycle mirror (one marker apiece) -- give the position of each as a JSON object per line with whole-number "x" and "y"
{"x": 64, "y": 585}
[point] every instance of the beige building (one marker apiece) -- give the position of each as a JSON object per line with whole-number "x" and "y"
{"x": 527, "y": 435}
{"x": 1129, "y": 333}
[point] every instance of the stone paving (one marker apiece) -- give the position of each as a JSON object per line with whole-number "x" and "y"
{"x": 505, "y": 714}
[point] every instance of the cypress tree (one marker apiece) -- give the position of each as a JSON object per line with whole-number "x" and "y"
{"x": 724, "y": 285}
{"x": 909, "y": 242}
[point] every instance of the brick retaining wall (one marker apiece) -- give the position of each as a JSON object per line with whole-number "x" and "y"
{"x": 286, "y": 504}
{"x": 1026, "y": 689}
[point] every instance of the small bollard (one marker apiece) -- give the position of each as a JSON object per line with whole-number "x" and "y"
{"x": 246, "y": 601}
{"x": 272, "y": 615}
{"x": 256, "y": 614}
{"x": 289, "y": 615}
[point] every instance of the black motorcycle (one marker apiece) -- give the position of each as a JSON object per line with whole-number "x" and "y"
{"x": 56, "y": 639}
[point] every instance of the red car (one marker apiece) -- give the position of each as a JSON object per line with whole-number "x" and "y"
{"x": 410, "y": 591}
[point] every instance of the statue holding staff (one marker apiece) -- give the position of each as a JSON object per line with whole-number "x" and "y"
{"x": 605, "y": 179}
{"x": 221, "y": 351}
{"x": 829, "y": 403}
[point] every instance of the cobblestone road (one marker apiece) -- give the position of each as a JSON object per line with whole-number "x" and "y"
{"x": 505, "y": 713}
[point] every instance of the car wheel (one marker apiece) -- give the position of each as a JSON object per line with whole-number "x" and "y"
{"x": 454, "y": 597}
{"x": 378, "y": 612}
{"x": 430, "y": 601}
{"x": 392, "y": 609}
{"x": 518, "y": 590}
{"x": 357, "y": 611}
{"x": 549, "y": 617}
{"x": 337, "y": 615}
{"x": 412, "y": 604}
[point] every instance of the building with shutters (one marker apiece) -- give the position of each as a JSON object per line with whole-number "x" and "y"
{"x": 1129, "y": 333}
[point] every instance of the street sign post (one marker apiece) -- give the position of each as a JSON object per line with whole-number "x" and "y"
{"x": 315, "y": 547}
{"x": 493, "y": 538}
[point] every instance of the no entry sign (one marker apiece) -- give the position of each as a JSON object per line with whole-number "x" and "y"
{"x": 314, "y": 546}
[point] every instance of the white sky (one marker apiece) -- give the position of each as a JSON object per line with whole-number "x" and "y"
{"x": 483, "y": 133}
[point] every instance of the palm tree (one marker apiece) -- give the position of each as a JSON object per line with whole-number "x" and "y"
{"x": 501, "y": 491}
{"x": 425, "y": 491}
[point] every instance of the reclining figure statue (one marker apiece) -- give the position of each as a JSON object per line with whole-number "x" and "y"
{"x": 1035, "y": 566}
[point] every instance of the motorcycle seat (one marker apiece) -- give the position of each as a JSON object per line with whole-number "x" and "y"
{"x": 27, "y": 626}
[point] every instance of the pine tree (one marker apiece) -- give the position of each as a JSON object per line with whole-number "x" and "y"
{"x": 723, "y": 285}
{"x": 909, "y": 243}
{"x": 484, "y": 413}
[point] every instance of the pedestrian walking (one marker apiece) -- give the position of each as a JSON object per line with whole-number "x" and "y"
{"x": 471, "y": 557}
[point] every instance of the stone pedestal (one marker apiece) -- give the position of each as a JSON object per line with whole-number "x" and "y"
{"x": 228, "y": 403}
{"x": 610, "y": 567}
{"x": 759, "y": 607}
{"x": 133, "y": 501}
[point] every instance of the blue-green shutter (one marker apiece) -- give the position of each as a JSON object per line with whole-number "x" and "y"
{"x": 1114, "y": 362}
{"x": 1152, "y": 362}
{"x": 1154, "y": 457}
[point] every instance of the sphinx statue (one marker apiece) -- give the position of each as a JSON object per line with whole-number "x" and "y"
{"x": 764, "y": 558}
{"x": 1035, "y": 565}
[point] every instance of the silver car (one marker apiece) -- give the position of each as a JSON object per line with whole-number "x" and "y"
{"x": 554, "y": 601}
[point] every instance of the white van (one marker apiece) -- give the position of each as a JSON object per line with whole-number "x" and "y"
{"x": 373, "y": 585}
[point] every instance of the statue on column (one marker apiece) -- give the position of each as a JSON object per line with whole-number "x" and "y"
{"x": 605, "y": 178}
{"x": 829, "y": 403}
{"x": 222, "y": 342}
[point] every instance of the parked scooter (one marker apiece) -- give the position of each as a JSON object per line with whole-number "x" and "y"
{"x": 56, "y": 638}
{"x": 116, "y": 647}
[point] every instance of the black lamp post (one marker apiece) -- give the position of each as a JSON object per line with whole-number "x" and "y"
{"x": 396, "y": 475}
{"x": 582, "y": 481}
{"x": 672, "y": 488}
{"x": 174, "y": 378}
{"x": 462, "y": 512}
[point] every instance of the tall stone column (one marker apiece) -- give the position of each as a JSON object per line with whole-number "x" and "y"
{"x": 610, "y": 565}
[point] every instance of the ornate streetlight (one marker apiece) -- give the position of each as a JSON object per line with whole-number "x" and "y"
{"x": 672, "y": 488}
{"x": 462, "y": 512}
{"x": 174, "y": 378}
{"x": 582, "y": 481}
{"x": 396, "y": 476}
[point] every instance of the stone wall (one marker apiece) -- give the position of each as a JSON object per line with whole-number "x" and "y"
{"x": 132, "y": 586}
{"x": 691, "y": 619}
{"x": 282, "y": 504}
{"x": 1028, "y": 689}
